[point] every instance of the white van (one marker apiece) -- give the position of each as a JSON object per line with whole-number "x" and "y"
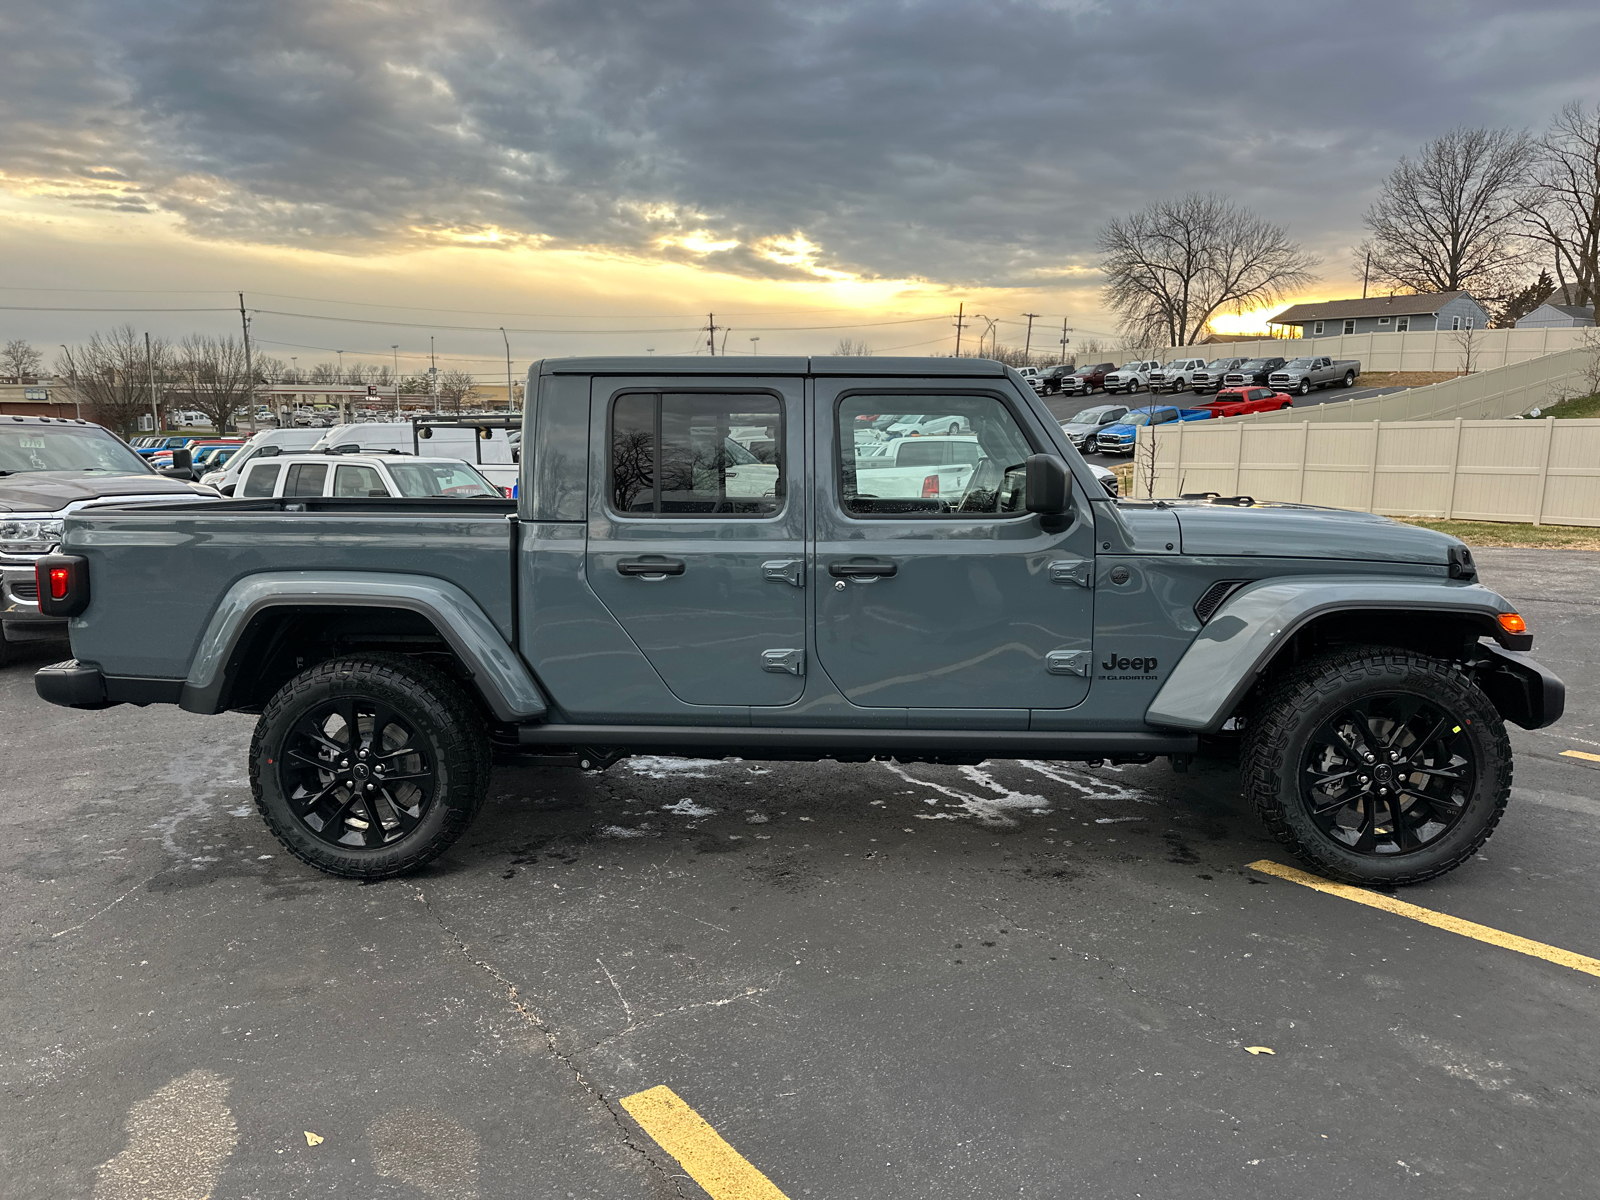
{"x": 487, "y": 445}
{"x": 268, "y": 441}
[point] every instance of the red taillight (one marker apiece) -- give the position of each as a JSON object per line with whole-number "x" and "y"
{"x": 59, "y": 583}
{"x": 930, "y": 488}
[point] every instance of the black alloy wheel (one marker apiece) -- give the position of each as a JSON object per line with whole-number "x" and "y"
{"x": 1388, "y": 774}
{"x": 369, "y": 767}
{"x": 356, "y": 773}
{"x": 1377, "y": 765}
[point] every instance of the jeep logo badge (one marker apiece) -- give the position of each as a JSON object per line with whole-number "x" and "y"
{"x": 1139, "y": 666}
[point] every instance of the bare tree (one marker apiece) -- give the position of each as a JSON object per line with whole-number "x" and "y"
{"x": 1466, "y": 341}
{"x": 1561, "y": 205}
{"x": 455, "y": 389}
{"x": 19, "y": 359}
{"x": 1448, "y": 220}
{"x": 1172, "y": 266}
{"x": 852, "y": 348}
{"x": 112, "y": 375}
{"x": 211, "y": 377}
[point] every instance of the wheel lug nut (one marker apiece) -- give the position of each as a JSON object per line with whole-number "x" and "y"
{"x": 1366, "y": 779}
{"x": 344, "y": 762}
{"x": 363, "y": 754}
{"x": 369, "y": 787}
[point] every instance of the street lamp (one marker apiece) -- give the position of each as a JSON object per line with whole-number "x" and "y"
{"x": 77, "y": 406}
{"x": 754, "y": 349}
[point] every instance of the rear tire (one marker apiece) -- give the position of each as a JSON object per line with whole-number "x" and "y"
{"x": 1349, "y": 379}
{"x": 1306, "y": 765}
{"x": 369, "y": 767}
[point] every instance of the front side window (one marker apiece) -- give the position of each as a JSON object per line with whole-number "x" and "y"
{"x": 260, "y": 480}
{"x": 353, "y": 479}
{"x": 305, "y": 479}
{"x": 975, "y": 472}
{"x": 700, "y": 454}
{"x": 449, "y": 479}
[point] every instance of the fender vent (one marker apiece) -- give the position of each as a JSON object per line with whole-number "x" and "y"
{"x": 1212, "y": 598}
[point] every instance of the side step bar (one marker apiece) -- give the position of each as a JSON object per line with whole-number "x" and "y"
{"x": 753, "y": 741}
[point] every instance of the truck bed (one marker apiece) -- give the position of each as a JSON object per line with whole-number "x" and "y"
{"x": 178, "y": 561}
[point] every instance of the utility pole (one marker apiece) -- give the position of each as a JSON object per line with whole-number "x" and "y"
{"x": 509, "y": 406}
{"x": 960, "y": 321}
{"x": 1064, "y": 339}
{"x": 150, "y": 370}
{"x": 395, "y": 346}
{"x": 249, "y": 370}
{"x": 1027, "y": 342}
{"x": 433, "y": 377}
{"x": 72, "y": 367}
{"x": 1365, "y": 272}
{"x": 711, "y": 331}
{"x": 725, "y": 333}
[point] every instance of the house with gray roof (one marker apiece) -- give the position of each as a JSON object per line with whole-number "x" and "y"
{"x": 1386, "y": 314}
{"x": 1560, "y": 312}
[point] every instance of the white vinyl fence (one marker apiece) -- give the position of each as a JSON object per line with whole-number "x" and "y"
{"x": 1412, "y": 351}
{"x": 1545, "y": 472}
{"x": 1500, "y": 392}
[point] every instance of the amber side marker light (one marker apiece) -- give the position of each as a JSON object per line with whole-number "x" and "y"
{"x": 1512, "y": 623}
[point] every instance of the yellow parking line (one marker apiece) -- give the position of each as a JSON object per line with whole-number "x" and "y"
{"x": 1580, "y": 754}
{"x": 721, "y": 1170}
{"x": 1471, "y": 929}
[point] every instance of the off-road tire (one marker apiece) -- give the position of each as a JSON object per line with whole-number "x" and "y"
{"x": 1280, "y": 724}
{"x": 451, "y": 726}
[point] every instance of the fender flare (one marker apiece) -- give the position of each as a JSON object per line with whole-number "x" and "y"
{"x": 1241, "y": 638}
{"x": 500, "y": 676}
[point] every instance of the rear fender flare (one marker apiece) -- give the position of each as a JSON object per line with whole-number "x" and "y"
{"x": 1242, "y": 637}
{"x": 499, "y": 675}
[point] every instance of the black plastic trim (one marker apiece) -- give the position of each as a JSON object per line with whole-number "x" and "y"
{"x": 752, "y": 741}
{"x": 71, "y": 684}
{"x": 137, "y": 689}
{"x": 1526, "y": 693}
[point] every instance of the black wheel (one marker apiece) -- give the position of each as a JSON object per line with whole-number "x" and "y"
{"x": 1376, "y": 765}
{"x": 1305, "y": 387}
{"x": 369, "y": 767}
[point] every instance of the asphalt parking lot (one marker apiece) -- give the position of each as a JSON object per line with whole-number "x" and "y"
{"x": 873, "y": 980}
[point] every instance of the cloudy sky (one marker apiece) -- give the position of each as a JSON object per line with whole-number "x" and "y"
{"x": 566, "y": 164}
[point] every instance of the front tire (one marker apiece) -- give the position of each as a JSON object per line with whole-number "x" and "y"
{"x": 1377, "y": 765}
{"x": 1305, "y": 387}
{"x": 370, "y": 767}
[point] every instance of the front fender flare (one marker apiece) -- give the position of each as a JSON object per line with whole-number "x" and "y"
{"x": 502, "y": 679}
{"x": 1235, "y": 646}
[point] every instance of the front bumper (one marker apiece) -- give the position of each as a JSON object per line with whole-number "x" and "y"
{"x": 19, "y": 606}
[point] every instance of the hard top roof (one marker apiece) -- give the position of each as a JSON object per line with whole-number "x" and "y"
{"x": 773, "y": 364}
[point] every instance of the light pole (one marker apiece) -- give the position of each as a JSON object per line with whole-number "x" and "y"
{"x": 72, "y": 368}
{"x": 755, "y": 349}
{"x": 396, "y": 348}
{"x": 508, "y": 367}
{"x": 150, "y": 370}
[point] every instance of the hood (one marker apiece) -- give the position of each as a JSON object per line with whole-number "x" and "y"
{"x": 51, "y": 491}
{"x": 1079, "y": 428}
{"x": 1302, "y": 531}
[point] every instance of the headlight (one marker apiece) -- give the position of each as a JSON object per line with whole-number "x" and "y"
{"x": 28, "y": 536}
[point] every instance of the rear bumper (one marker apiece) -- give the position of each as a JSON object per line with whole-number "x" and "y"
{"x": 74, "y": 684}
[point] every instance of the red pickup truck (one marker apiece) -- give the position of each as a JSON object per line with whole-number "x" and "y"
{"x": 1231, "y": 402}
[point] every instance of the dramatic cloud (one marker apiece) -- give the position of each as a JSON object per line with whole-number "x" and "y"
{"x": 920, "y": 138}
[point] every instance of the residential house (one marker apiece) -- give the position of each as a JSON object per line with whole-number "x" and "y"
{"x": 1385, "y": 314}
{"x": 1559, "y": 312}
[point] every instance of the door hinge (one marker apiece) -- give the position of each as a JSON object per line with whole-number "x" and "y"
{"x": 785, "y": 570}
{"x": 1073, "y": 570}
{"x": 1067, "y": 662}
{"x": 784, "y": 662}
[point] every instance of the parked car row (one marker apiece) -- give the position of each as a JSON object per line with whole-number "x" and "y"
{"x": 1113, "y": 428}
{"x": 1192, "y": 374}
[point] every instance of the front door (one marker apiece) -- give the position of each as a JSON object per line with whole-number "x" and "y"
{"x": 935, "y": 589}
{"x": 697, "y": 540}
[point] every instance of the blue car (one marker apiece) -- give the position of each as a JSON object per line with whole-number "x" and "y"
{"x": 1122, "y": 437}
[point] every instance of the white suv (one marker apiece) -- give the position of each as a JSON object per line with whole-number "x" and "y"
{"x": 363, "y": 476}
{"x": 1131, "y": 377}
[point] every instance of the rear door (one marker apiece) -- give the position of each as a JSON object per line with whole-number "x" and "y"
{"x": 960, "y": 602}
{"x": 697, "y": 538}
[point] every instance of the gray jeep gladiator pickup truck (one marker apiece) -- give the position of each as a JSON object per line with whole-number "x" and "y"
{"x": 650, "y": 592}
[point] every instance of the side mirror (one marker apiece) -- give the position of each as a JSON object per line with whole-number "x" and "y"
{"x": 1048, "y": 487}
{"x": 182, "y": 464}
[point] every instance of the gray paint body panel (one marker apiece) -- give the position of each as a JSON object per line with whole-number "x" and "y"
{"x": 504, "y": 681}
{"x": 1239, "y": 639}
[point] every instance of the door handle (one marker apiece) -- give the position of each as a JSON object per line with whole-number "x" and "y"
{"x": 784, "y": 570}
{"x": 655, "y": 568}
{"x": 858, "y": 568}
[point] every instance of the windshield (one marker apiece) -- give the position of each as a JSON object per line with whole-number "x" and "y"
{"x": 422, "y": 479}
{"x": 1089, "y": 416}
{"x": 1136, "y": 418}
{"x": 66, "y": 448}
{"x": 1299, "y": 362}
{"x": 1130, "y": 366}
{"x": 1255, "y": 364}
{"x": 1219, "y": 364}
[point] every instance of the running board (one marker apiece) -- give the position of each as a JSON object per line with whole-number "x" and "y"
{"x": 755, "y": 741}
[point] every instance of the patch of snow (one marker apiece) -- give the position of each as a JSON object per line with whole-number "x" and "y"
{"x": 621, "y": 831}
{"x": 659, "y": 766}
{"x": 993, "y": 810}
{"x": 688, "y": 808}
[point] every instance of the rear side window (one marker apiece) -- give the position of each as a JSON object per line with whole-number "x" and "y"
{"x": 688, "y": 454}
{"x": 260, "y": 479}
{"x": 981, "y": 474}
{"x": 353, "y": 479}
{"x": 447, "y": 479}
{"x": 305, "y": 479}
